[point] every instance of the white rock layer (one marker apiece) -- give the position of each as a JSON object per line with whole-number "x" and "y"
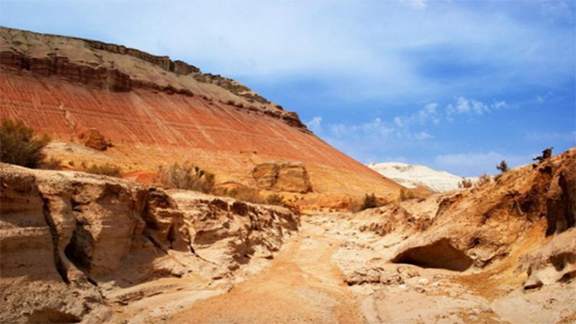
{"x": 411, "y": 176}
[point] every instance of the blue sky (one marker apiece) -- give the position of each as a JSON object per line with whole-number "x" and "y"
{"x": 455, "y": 85}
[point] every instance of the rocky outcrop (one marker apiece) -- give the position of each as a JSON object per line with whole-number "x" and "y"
{"x": 554, "y": 262}
{"x": 67, "y": 233}
{"x": 112, "y": 76}
{"x": 226, "y": 231}
{"x": 92, "y": 138}
{"x": 478, "y": 226}
{"x": 164, "y": 62}
{"x": 38, "y": 283}
{"x": 282, "y": 176}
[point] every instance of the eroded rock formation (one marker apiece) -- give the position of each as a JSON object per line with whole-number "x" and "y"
{"x": 92, "y": 138}
{"x": 64, "y": 234}
{"x": 282, "y": 176}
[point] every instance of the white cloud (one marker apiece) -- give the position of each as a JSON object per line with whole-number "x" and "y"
{"x": 362, "y": 44}
{"x": 552, "y": 137}
{"x": 428, "y": 114}
{"x": 421, "y": 136}
{"x": 416, "y": 4}
{"x": 464, "y": 105}
{"x": 315, "y": 124}
{"x": 375, "y": 128}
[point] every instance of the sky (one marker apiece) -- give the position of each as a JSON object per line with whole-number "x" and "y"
{"x": 455, "y": 85}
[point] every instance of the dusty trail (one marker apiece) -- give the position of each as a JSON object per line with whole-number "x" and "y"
{"x": 301, "y": 285}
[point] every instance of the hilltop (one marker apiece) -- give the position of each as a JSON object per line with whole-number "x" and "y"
{"x": 412, "y": 176}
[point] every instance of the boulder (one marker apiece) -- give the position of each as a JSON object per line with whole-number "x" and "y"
{"x": 553, "y": 262}
{"x": 282, "y": 176}
{"x": 92, "y": 138}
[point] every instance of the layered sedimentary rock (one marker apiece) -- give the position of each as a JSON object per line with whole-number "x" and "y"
{"x": 64, "y": 235}
{"x": 156, "y": 111}
{"x": 498, "y": 219}
{"x": 290, "y": 177}
{"x": 501, "y": 251}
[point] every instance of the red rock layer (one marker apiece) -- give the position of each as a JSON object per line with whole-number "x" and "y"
{"x": 149, "y": 127}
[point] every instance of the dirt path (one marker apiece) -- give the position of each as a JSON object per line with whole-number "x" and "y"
{"x": 301, "y": 285}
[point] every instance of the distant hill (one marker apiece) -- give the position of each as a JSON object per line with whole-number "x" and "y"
{"x": 412, "y": 176}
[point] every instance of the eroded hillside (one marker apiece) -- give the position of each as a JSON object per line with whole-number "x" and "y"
{"x": 147, "y": 111}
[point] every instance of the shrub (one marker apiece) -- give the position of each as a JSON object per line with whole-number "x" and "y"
{"x": 483, "y": 179}
{"x": 107, "y": 169}
{"x": 275, "y": 199}
{"x": 246, "y": 194}
{"x": 546, "y": 154}
{"x": 465, "y": 183}
{"x": 19, "y": 145}
{"x": 51, "y": 164}
{"x": 503, "y": 166}
{"x": 185, "y": 176}
{"x": 406, "y": 194}
{"x": 370, "y": 201}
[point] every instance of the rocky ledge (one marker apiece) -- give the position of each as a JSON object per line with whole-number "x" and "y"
{"x": 69, "y": 238}
{"x": 118, "y": 68}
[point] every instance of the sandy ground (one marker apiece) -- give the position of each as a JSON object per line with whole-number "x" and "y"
{"x": 307, "y": 283}
{"x": 302, "y": 285}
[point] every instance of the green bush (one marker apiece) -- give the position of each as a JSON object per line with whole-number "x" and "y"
{"x": 19, "y": 145}
{"x": 185, "y": 176}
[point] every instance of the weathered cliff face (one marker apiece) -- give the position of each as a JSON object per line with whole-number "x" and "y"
{"x": 477, "y": 227}
{"x": 69, "y": 239}
{"x": 155, "y": 111}
{"x": 501, "y": 251}
{"x": 290, "y": 177}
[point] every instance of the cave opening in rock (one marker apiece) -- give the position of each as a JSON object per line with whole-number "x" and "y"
{"x": 440, "y": 255}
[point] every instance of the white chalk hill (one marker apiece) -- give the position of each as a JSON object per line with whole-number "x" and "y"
{"x": 412, "y": 176}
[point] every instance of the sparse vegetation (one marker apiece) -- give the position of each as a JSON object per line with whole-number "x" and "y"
{"x": 106, "y": 169}
{"x": 370, "y": 201}
{"x": 246, "y": 194}
{"x": 406, "y": 194}
{"x": 503, "y": 166}
{"x": 275, "y": 199}
{"x": 546, "y": 154}
{"x": 51, "y": 164}
{"x": 483, "y": 179}
{"x": 20, "y": 145}
{"x": 185, "y": 176}
{"x": 465, "y": 183}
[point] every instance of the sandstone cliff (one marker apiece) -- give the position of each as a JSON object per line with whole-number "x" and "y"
{"x": 69, "y": 240}
{"x": 501, "y": 251}
{"x": 151, "y": 111}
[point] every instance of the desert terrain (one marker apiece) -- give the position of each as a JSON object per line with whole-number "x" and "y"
{"x": 283, "y": 229}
